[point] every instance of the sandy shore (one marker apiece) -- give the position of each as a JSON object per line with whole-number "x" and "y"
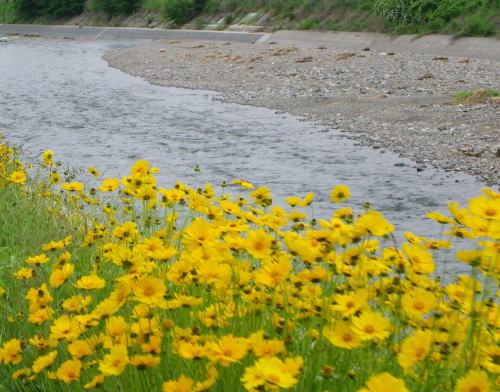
{"x": 391, "y": 101}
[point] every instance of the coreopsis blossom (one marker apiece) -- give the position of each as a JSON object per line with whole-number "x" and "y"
{"x": 142, "y": 362}
{"x": 272, "y": 372}
{"x": 182, "y": 384}
{"x": 485, "y": 207}
{"x": 418, "y": 302}
{"x": 24, "y": 273}
{"x": 384, "y": 382}
{"x": 114, "y": 363}
{"x": 227, "y": 350}
{"x": 94, "y": 172}
{"x": 259, "y": 243}
{"x": 265, "y": 347}
{"x": 307, "y": 200}
{"x": 340, "y": 193}
{"x": 38, "y": 259}
{"x": 415, "y": 348}
{"x": 80, "y": 349}
{"x": 65, "y": 327}
{"x": 76, "y": 303}
{"x": 54, "y": 178}
{"x": 420, "y": 258}
{"x": 350, "y": 303}
{"x": 10, "y": 352}
{"x": 47, "y": 157}
{"x": 90, "y": 282}
{"x": 17, "y": 177}
{"x": 243, "y": 184}
{"x": 262, "y": 197}
{"x": 371, "y": 325}
{"x": 60, "y": 275}
{"x": 375, "y": 223}
{"x": 273, "y": 272}
{"x": 69, "y": 371}
{"x": 198, "y": 233}
{"x": 73, "y": 186}
{"x": 342, "y": 335}
{"x": 44, "y": 361}
{"x": 109, "y": 185}
{"x": 473, "y": 381}
{"x": 149, "y": 290}
{"x": 95, "y": 382}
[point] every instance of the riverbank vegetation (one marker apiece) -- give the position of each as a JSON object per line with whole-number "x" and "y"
{"x": 124, "y": 284}
{"x": 460, "y": 17}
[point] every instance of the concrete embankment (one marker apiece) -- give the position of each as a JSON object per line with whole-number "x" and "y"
{"x": 125, "y": 33}
{"x": 444, "y": 45}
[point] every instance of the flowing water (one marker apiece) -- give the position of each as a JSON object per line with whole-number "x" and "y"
{"x": 61, "y": 95}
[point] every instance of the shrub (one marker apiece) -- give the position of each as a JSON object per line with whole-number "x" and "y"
{"x": 182, "y": 11}
{"x": 116, "y": 7}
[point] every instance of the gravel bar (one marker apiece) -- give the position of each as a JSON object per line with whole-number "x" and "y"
{"x": 400, "y": 102}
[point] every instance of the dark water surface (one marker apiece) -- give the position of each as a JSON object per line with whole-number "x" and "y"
{"x": 61, "y": 95}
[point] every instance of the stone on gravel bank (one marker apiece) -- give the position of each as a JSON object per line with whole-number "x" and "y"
{"x": 387, "y": 100}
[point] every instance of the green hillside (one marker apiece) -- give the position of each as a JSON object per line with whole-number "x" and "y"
{"x": 460, "y": 17}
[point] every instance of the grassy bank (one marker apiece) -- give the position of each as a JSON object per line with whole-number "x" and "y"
{"x": 129, "y": 286}
{"x": 460, "y": 17}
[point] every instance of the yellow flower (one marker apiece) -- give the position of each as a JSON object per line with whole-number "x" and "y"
{"x": 38, "y": 259}
{"x": 65, "y": 328}
{"x": 80, "y": 349}
{"x": 116, "y": 326}
{"x": 271, "y": 373}
{"x": 149, "y": 290}
{"x": 183, "y": 384}
{"x": 243, "y": 184}
{"x": 258, "y": 243}
{"x": 418, "y": 302}
{"x": 340, "y": 193}
{"x": 262, "y": 197}
{"x": 24, "y": 273}
{"x": 114, "y": 363}
{"x": 485, "y": 207}
{"x": 47, "y": 157}
{"x": 54, "y": 178}
{"x": 73, "y": 186}
{"x": 142, "y": 362}
{"x": 69, "y": 371}
{"x": 307, "y": 200}
{"x": 473, "y": 381}
{"x": 95, "y": 382}
{"x": 93, "y": 171}
{"x": 342, "y": 335}
{"x": 109, "y": 185}
{"x": 375, "y": 223}
{"x": 384, "y": 382}
{"x": 17, "y": 177}
{"x": 227, "y": 350}
{"x": 11, "y": 352}
{"x": 60, "y": 275}
{"x": 43, "y": 362}
{"x": 420, "y": 259}
{"x": 292, "y": 201}
{"x": 262, "y": 347}
{"x": 415, "y": 348}
{"x": 371, "y": 325}
{"x": 90, "y": 282}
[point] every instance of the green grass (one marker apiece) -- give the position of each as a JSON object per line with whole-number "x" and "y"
{"x": 463, "y": 96}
